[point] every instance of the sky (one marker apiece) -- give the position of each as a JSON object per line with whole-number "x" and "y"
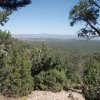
{"x": 42, "y": 16}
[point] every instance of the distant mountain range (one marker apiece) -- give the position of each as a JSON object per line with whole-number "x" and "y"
{"x": 44, "y": 36}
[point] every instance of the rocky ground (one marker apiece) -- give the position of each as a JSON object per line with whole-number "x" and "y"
{"x": 47, "y": 95}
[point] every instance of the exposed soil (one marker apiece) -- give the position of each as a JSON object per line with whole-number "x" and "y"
{"x": 47, "y": 95}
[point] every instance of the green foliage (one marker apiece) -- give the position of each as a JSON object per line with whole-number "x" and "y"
{"x": 87, "y": 11}
{"x": 4, "y": 16}
{"x": 42, "y": 60}
{"x": 53, "y": 80}
{"x": 74, "y": 67}
{"x": 46, "y": 70}
{"x": 13, "y": 4}
{"x": 25, "y": 67}
{"x": 15, "y": 69}
{"x": 92, "y": 80}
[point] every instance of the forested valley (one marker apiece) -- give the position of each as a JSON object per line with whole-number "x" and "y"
{"x": 26, "y": 66}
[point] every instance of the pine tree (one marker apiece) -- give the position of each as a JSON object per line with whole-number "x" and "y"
{"x": 87, "y": 11}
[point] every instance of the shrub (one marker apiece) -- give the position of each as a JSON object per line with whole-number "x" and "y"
{"x": 15, "y": 76}
{"x": 53, "y": 80}
{"x": 91, "y": 80}
{"x": 15, "y": 70}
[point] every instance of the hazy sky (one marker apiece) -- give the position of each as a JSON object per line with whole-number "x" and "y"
{"x": 42, "y": 16}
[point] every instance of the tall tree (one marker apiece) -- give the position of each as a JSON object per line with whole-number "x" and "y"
{"x": 87, "y": 11}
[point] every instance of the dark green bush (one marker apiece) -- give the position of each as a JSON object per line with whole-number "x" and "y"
{"x": 92, "y": 80}
{"x": 15, "y": 69}
{"x": 53, "y": 80}
{"x": 15, "y": 76}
